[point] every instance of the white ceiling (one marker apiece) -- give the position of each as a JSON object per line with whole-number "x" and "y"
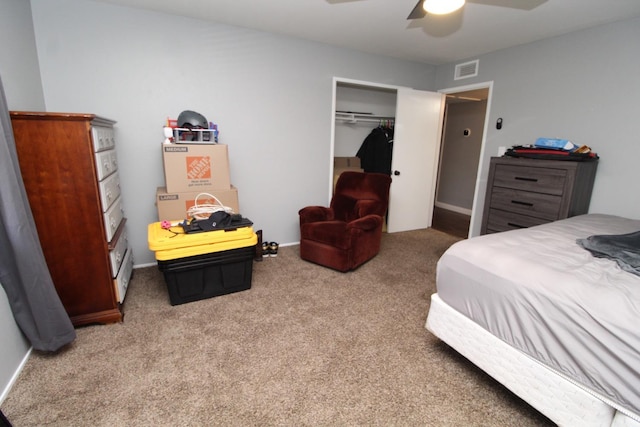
{"x": 381, "y": 27}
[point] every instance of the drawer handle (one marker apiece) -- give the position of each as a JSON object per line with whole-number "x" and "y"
{"x": 524, "y": 178}
{"x": 515, "y": 225}
{"x": 518, "y": 202}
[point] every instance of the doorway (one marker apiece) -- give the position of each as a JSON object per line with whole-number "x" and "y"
{"x": 463, "y": 136}
{"x": 418, "y": 118}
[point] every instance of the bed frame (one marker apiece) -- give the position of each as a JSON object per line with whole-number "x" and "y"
{"x": 553, "y": 394}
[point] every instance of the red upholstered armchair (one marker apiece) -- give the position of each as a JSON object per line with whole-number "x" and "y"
{"x": 348, "y": 233}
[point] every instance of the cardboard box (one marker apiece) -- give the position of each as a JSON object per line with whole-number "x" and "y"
{"x": 196, "y": 167}
{"x": 346, "y": 163}
{"x": 174, "y": 206}
{"x": 343, "y": 164}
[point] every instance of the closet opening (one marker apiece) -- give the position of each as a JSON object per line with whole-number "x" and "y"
{"x": 412, "y": 121}
{"x": 360, "y": 113}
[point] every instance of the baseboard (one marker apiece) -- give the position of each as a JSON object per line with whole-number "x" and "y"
{"x": 453, "y": 208}
{"x": 151, "y": 264}
{"x": 14, "y": 377}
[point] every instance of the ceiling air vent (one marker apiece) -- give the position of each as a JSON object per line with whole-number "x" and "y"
{"x": 466, "y": 70}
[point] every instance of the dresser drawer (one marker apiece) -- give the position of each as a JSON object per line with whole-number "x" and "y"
{"x": 112, "y": 218}
{"x": 103, "y": 138}
{"x": 109, "y": 190}
{"x": 539, "y": 205}
{"x": 527, "y": 192}
{"x": 540, "y": 180}
{"x": 116, "y": 255}
{"x": 503, "y": 221}
{"x": 121, "y": 282}
{"x": 106, "y": 163}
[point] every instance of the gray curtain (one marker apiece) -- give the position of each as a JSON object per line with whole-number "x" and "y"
{"x": 24, "y": 275}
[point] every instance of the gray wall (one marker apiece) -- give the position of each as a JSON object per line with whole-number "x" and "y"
{"x": 18, "y": 58}
{"x": 581, "y": 86}
{"x": 23, "y": 90}
{"x": 271, "y": 96}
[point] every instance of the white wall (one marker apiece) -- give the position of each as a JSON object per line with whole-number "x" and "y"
{"x": 582, "y": 86}
{"x": 271, "y": 96}
{"x": 18, "y": 59}
{"x": 23, "y": 91}
{"x": 14, "y": 347}
{"x": 377, "y": 101}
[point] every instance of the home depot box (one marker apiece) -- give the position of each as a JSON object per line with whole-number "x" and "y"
{"x": 174, "y": 206}
{"x": 193, "y": 167}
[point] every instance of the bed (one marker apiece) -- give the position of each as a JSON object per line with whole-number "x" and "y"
{"x": 543, "y": 316}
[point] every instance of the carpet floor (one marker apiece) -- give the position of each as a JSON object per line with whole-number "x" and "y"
{"x": 305, "y": 346}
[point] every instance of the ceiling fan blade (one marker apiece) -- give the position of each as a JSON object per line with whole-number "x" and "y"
{"x": 417, "y": 12}
{"x": 513, "y": 4}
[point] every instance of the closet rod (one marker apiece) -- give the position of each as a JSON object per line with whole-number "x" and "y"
{"x": 356, "y": 120}
{"x": 355, "y": 117}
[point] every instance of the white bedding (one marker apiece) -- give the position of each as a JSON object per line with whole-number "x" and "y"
{"x": 540, "y": 292}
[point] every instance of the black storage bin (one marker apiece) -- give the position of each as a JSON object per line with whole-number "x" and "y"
{"x": 208, "y": 275}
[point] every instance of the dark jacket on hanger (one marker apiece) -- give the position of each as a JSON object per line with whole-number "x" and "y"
{"x": 376, "y": 151}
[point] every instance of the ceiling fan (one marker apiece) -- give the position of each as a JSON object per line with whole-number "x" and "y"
{"x": 441, "y": 7}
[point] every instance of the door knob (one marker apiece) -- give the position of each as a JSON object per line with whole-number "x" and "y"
{"x": 396, "y": 173}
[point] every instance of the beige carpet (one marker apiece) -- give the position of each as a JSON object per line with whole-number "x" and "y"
{"x": 305, "y": 346}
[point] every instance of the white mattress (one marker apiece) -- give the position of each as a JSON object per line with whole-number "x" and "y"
{"x": 540, "y": 292}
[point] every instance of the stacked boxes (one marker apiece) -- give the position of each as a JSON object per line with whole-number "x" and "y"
{"x": 192, "y": 169}
{"x": 204, "y": 264}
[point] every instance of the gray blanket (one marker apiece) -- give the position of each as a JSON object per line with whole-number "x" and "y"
{"x": 622, "y": 248}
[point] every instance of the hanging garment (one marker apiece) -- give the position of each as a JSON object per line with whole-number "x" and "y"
{"x": 376, "y": 151}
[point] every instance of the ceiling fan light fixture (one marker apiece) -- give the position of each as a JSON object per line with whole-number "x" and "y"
{"x": 442, "y": 7}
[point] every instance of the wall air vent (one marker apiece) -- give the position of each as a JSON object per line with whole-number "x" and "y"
{"x": 466, "y": 70}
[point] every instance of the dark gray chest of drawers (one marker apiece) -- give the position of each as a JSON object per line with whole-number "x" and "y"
{"x": 526, "y": 192}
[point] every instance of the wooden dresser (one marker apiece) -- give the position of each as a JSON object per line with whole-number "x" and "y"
{"x": 526, "y": 192}
{"x": 69, "y": 167}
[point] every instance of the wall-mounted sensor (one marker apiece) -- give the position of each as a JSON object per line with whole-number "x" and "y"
{"x": 466, "y": 132}
{"x": 499, "y": 123}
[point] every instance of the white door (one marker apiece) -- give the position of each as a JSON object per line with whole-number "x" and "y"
{"x": 416, "y": 147}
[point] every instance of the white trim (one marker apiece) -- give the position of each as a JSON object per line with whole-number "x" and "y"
{"x": 150, "y": 264}
{"x": 453, "y": 208}
{"x": 15, "y": 376}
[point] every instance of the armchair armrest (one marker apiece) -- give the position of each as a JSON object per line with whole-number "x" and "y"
{"x": 366, "y": 223}
{"x": 315, "y": 214}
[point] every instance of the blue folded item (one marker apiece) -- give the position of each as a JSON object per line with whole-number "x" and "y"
{"x": 557, "y": 143}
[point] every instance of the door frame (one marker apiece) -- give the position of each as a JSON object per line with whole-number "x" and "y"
{"x": 481, "y": 177}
